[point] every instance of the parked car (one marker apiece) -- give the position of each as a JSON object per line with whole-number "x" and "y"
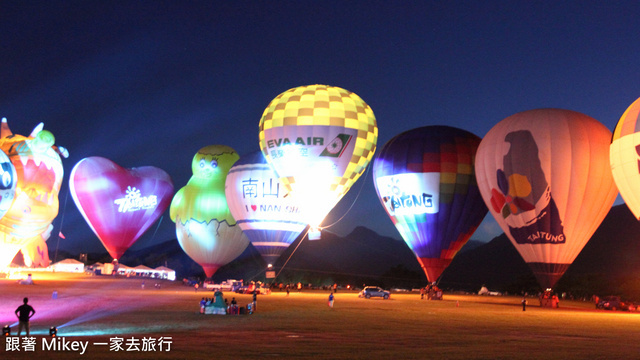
{"x": 229, "y": 285}
{"x": 615, "y": 303}
{"x": 374, "y": 291}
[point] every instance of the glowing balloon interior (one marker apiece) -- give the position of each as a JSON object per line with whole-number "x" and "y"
{"x": 205, "y": 228}
{"x": 119, "y": 204}
{"x": 425, "y": 180}
{"x": 35, "y": 254}
{"x": 258, "y": 202}
{"x": 319, "y": 139}
{"x": 625, "y": 157}
{"x": 38, "y": 174}
{"x": 545, "y": 176}
{"x": 8, "y": 183}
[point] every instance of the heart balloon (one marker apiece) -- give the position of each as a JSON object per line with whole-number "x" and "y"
{"x": 119, "y": 204}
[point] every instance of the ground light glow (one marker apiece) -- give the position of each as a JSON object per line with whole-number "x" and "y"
{"x": 301, "y": 325}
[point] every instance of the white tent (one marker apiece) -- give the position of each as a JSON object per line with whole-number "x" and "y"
{"x": 142, "y": 270}
{"x": 125, "y": 270}
{"x": 161, "y": 272}
{"x": 165, "y": 273}
{"x": 68, "y": 265}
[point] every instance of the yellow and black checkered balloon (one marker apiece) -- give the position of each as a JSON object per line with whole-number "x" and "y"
{"x": 324, "y": 106}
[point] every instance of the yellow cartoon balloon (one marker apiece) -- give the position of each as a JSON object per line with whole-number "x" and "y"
{"x": 319, "y": 139}
{"x": 205, "y": 228}
{"x": 39, "y": 175}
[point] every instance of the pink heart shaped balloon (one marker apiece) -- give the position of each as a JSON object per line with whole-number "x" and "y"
{"x": 119, "y": 204}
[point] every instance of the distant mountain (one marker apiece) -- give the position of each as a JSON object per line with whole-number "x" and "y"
{"x": 362, "y": 252}
{"x": 363, "y": 256}
{"x": 495, "y": 264}
{"x": 360, "y": 257}
{"x": 608, "y": 264}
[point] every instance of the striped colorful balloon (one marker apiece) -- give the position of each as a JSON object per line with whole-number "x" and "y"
{"x": 260, "y": 205}
{"x": 426, "y": 182}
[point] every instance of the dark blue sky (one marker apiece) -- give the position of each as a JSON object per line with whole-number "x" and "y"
{"x": 151, "y": 82}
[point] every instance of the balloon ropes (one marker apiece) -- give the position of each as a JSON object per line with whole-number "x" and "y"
{"x": 545, "y": 176}
{"x": 319, "y": 139}
{"x": 625, "y": 157}
{"x": 425, "y": 180}
{"x": 205, "y": 228}
{"x": 119, "y": 204}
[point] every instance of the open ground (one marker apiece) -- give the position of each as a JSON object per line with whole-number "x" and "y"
{"x": 98, "y": 309}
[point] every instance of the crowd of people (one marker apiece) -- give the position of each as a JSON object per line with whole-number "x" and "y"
{"x": 549, "y": 299}
{"x": 220, "y": 305}
{"x": 432, "y": 291}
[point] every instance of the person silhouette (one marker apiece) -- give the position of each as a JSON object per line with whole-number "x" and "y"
{"x": 24, "y": 313}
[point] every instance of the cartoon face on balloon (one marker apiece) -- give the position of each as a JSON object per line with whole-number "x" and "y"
{"x": 211, "y": 163}
{"x": 205, "y": 228}
{"x": 39, "y": 171}
{"x": 38, "y": 174}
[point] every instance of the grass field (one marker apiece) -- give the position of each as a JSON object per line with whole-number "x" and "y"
{"x": 301, "y": 325}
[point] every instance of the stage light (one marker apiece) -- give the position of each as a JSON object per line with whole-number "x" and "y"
{"x": 6, "y": 331}
{"x": 53, "y": 331}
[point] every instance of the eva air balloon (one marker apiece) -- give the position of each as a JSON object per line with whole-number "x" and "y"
{"x": 319, "y": 139}
{"x": 205, "y": 228}
{"x": 425, "y": 180}
{"x": 546, "y": 178}
{"x": 625, "y": 157}
{"x": 260, "y": 205}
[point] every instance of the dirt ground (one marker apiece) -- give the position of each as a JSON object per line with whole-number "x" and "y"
{"x": 165, "y": 323}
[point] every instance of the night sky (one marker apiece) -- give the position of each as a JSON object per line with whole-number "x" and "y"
{"x": 151, "y": 82}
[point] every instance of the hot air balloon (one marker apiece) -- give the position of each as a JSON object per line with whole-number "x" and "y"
{"x": 35, "y": 254}
{"x": 119, "y": 204}
{"x": 39, "y": 173}
{"x": 205, "y": 228}
{"x": 8, "y": 183}
{"x": 319, "y": 139}
{"x": 258, "y": 202}
{"x": 545, "y": 176}
{"x": 625, "y": 157}
{"x": 426, "y": 182}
